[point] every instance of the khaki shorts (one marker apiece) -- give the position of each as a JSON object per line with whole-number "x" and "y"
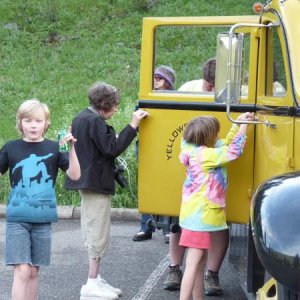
{"x": 95, "y": 222}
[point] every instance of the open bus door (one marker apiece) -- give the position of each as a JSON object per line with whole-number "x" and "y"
{"x": 160, "y": 174}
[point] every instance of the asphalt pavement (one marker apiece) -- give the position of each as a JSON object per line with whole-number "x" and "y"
{"x": 138, "y": 268}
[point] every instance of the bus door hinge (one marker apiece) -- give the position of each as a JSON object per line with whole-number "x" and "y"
{"x": 257, "y": 33}
{"x": 291, "y": 162}
{"x": 250, "y": 193}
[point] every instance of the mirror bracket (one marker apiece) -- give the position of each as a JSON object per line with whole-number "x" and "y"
{"x": 267, "y": 123}
{"x": 231, "y": 35}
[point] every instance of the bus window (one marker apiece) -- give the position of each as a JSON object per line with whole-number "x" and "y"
{"x": 275, "y": 76}
{"x": 186, "y": 49}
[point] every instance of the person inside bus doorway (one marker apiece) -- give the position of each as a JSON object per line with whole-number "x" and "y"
{"x": 220, "y": 239}
{"x": 207, "y": 83}
{"x": 164, "y": 79}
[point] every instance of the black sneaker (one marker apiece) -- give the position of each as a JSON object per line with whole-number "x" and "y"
{"x": 173, "y": 279}
{"x": 142, "y": 236}
{"x": 212, "y": 284}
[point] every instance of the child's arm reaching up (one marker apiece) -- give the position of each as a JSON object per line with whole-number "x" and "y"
{"x": 245, "y": 117}
{"x": 242, "y": 128}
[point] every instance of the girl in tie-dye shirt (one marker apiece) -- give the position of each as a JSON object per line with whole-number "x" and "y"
{"x": 203, "y": 196}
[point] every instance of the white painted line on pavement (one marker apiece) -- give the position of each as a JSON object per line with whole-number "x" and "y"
{"x": 152, "y": 280}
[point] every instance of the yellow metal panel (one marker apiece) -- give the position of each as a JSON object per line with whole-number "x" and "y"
{"x": 263, "y": 292}
{"x": 273, "y": 148}
{"x": 297, "y": 145}
{"x": 161, "y": 175}
{"x": 193, "y": 21}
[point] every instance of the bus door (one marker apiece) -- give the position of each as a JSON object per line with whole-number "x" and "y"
{"x": 185, "y": 44}
{"x": 274, "y": 152}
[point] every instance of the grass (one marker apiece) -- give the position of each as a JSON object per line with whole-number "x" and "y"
{"x": 54, "y": 50}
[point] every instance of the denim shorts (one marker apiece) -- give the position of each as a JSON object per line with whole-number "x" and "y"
{"x": 28, "y": 243}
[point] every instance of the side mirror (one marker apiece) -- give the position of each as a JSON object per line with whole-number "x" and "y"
{"x": 229, "y": 62}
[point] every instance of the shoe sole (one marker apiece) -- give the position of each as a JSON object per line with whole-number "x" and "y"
{"x": 118, "y": 294}
{"x": 213, "y": 293}
{"x": 172, "y": 288}
{"x": 141, "y": 239}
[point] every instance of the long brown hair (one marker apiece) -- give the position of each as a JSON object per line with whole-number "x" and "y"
{"x": 202, "y": 131}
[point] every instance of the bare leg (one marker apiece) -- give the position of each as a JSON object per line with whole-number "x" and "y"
{"x": 32, "y": 287}
{"x": 94, "y": 265}
{"x": 176, "y": 251}
{"x": 20, "y": 282}
{"x": 217, "y": 252}
{"x": 195, "y": 262}
{"x": 199, "y": 281}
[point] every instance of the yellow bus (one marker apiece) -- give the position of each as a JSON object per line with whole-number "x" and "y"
{"x": 258, "y": 70}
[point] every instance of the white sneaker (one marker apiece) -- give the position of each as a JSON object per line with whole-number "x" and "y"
{"x": 95, "y": 292}
{"x": 104, "y": 284}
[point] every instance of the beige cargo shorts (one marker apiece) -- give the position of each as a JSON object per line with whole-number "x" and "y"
{"x": 95, "y": 222}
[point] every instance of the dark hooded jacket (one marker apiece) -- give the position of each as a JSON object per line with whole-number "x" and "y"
{"x": 97, "y": 147}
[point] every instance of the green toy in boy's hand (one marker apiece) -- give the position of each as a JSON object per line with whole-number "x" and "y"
{"x": 63, "y": 145}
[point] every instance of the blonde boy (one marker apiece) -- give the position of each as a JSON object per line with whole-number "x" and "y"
{"x": 33, "y": 163}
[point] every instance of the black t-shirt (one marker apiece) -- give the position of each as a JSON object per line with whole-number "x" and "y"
{"x": 33, "y": 168}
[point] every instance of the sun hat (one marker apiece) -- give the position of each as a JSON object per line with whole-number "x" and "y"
{"x": 166, "y": 73}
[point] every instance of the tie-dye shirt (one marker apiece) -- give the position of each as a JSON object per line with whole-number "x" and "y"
{"x": 204, "y": 189}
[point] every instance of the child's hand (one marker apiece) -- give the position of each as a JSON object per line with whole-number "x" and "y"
{"x": 68, "y": 138}
{"x": 71, "y": 139}
{"x": 246, "y": 117}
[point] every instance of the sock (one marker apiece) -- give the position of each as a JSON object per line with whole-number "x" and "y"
{"x": 214, "y": 274}
{"x": 172, "y": 266}
{"x": 91, "y": 281}
{"x": 98, "y": 277}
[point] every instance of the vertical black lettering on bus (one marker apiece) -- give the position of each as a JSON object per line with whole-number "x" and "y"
{"x": 175, "y": 136}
